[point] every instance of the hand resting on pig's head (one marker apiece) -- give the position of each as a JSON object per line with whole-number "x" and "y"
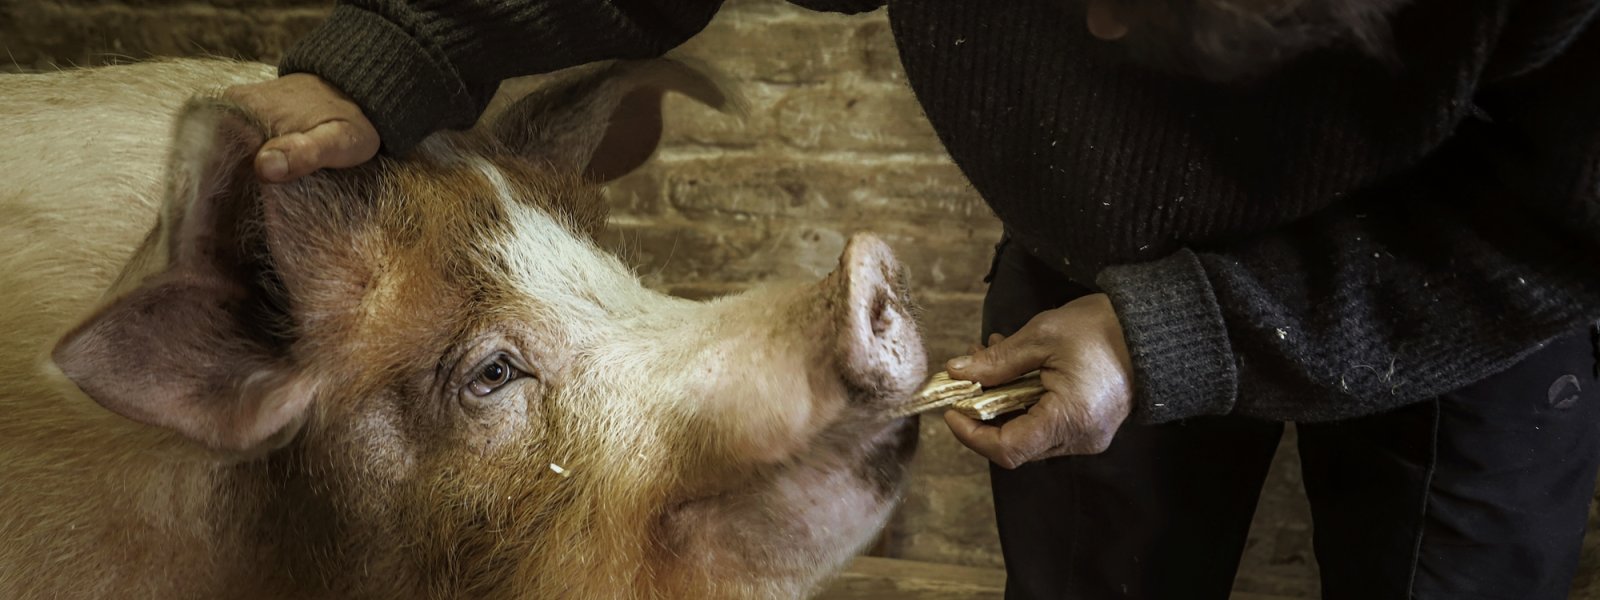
{"x": 422, "y": 377}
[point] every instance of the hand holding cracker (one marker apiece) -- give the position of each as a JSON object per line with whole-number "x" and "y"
{"x": 1080, "y": 364}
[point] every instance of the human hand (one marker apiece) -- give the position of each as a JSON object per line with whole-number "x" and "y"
{"x": 312, "y": 126}
{"x": 1087, "y": 374}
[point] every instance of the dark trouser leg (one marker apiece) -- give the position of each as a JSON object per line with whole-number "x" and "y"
{"x": 1161, "y": 514}
{"x": 1481, "y": 493}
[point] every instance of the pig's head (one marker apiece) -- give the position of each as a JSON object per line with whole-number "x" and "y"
{"x": 422, "y": 375}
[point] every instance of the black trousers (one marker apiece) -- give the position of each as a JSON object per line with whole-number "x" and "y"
{"x": 1480, "y": 493}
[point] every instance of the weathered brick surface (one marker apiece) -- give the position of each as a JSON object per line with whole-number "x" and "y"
{"x": 43, "y": 35}
{"x": 832, "y": 143}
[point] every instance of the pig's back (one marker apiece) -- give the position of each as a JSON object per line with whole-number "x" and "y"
{"x": 80, "y": 182}
{"x": 81, "y": 161}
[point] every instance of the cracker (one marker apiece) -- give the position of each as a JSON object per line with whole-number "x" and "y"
{"x": 973, "y": 400}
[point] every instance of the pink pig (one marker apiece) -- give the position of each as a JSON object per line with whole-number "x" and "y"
{"x": 417, "y": 378}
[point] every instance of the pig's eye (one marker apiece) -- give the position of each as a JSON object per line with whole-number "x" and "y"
{"x": 492, "y": 375}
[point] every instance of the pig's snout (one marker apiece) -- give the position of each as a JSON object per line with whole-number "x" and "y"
{"x": 879, "y": 346}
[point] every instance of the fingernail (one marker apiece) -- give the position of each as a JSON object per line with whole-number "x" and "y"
{"x": 960, "y": 363}
{"x": 274, "y": 165}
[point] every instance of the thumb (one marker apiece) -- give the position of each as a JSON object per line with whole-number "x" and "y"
{"x": 1001, "y": 362}
{"x": 335, "y": 144}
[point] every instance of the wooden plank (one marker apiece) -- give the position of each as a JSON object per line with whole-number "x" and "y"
{"x": 875, "y": 578}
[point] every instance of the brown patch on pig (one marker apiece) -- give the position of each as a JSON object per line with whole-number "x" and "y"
{"x": 395, "y": 268}
{"x": 407, "y": 242}
{"x": 578, "y": 200}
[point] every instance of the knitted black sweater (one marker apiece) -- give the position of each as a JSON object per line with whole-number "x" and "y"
{"x": 1335, "y": 239}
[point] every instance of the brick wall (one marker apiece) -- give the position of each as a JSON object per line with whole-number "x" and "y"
{"x": 833, "y": 143}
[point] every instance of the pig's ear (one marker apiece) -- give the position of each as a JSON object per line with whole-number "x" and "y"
{"x": 604, "y": 122}
{"x": 199, "y": 347}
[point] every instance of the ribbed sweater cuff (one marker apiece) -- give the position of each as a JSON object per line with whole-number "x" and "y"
{"x": 400, "y": 88}
{"x": 1182, "y": 362}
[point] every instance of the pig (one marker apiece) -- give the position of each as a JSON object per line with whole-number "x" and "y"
{"x": 418, "y": 378}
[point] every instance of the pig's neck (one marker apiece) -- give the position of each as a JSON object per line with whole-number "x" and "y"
{"x": 105, "y": 511}
{"x": 295, "y": 537}
{"x": 94, "y": 504}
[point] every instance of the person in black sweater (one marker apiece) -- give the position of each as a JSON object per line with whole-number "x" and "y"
{"x": 1377, "y": 219}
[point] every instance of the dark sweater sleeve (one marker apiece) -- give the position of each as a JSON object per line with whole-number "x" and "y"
{"x": 418, "y": 66}
{"x": 1431, "y": 282}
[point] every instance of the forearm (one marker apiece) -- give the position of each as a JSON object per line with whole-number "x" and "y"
{"x": 417, "y": 67}
{"x": 1369, "y": 307}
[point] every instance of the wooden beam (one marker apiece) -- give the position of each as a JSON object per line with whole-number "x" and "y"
{"x": 874, "y": 578}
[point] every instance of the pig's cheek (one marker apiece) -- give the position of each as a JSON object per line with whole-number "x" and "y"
{"x": 809, "y": 517}
{"x": 388, "y": 452}
{"x": 507, "y": 419}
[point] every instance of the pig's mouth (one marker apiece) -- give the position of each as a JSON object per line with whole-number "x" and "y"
{"x": 799, "y": 521}
{"x": 884, "y": 464}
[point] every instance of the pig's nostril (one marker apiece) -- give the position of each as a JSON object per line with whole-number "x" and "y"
{"x": 882, "y": 316}
{"x": 880, "y": 348}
